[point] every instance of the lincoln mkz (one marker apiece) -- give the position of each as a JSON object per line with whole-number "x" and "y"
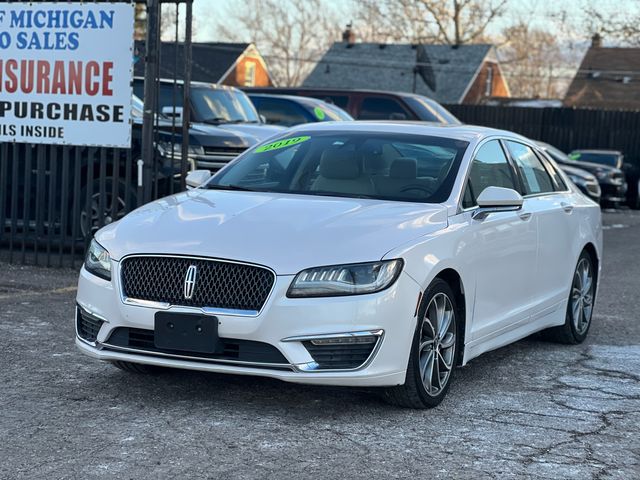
{"x": 358, "y": 254}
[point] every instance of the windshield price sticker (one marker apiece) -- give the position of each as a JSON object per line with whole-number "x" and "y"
{"x": 288, "y": 142}
{"x": 320, "y": 115}
{"x": 66, "y": 72}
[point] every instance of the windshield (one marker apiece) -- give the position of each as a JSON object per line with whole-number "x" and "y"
{"x": 402, "y": 167}
{"x": 223, "y": 106}
{"x": 325, "y": 112}
{"x": 431, "y": 111}
{"x": 609, "y": 159}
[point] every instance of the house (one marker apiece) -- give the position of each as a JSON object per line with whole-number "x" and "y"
{"x": 450, "y": 74}
{"x": 608, "y": 78}
{"x": 235, "y": 64}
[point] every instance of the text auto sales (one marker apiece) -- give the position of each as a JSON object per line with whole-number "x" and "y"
{"x": 60, "y": 78}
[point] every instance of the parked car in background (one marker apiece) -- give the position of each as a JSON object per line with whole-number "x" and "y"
{"x": 612, "y": 181}
{"x": 585, "y": 181}
{"x": 224, "y": 113}
{"x": 354, "y": 254}
{"x": 615, "y": 159}
{"x": 373, "y": 104}
{"x": 290, "y": 110}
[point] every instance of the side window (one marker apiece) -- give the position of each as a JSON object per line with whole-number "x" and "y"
{"x": 490, "y": 168}
{"x": 553, "y": 170}
{"x": 535, "y": 177}
{"x": 341, "y": 101}
{"x": 281, "y": 112}
{"x": 381, "y": 108}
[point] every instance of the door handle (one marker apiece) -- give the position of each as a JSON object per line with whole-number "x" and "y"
{"x": 567, "y": 207}
{"x": 525, "y": 216}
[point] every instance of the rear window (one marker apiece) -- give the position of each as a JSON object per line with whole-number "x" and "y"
{"x": 375, "y": 165}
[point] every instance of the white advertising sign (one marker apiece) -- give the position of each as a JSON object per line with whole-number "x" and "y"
{"x": 65, "y": 73}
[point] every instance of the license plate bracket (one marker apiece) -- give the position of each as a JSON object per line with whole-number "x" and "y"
{"x": 185, "y": 332}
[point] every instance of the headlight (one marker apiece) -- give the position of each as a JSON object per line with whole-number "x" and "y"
{"x": 578, "y": 180}
{"x": 98, "y": 261}
{"x": 165, "y": 148}
{"x": 602, "y": 174}
{"x": 338, "y": 280}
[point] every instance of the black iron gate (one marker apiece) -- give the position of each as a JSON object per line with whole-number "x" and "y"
{"x": 54, "y": 198}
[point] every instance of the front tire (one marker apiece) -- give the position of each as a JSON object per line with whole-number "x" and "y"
{"x": 580, "y": 305}
{"x": 433, "y": 351}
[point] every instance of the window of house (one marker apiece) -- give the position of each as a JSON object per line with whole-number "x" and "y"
{"x": 249, "y": 74}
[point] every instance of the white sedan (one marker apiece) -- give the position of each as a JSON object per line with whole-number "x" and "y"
{"x": 361, "y": 254}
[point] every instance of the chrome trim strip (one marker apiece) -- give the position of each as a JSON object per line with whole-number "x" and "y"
{"x": 363, "y": 333}
{"x": 313, "y": 366}
{"x": 199, "y": 359}
{"x": 206, "y": 310}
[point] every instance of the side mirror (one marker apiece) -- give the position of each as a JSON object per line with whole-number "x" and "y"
{"x": 169, "y": 112}
{"x": 195, "y": 178}
{"x": 497, "y": 199}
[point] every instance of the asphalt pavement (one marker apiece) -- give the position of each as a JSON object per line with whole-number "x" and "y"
{"x": 530, "y": 410}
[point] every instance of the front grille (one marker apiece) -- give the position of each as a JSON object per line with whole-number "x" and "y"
{"x": 339, "y": 356}
{"x": 227, "y": 349}
{"x": 87, "y": 325}
{"x": 230, "y": 152}
{"x": 218, "y": 284}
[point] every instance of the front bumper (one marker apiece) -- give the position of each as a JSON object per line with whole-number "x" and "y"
{"x": 283, "y": 323}
{"x": 613, "y": 192}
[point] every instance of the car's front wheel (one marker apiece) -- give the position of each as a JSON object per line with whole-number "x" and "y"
{"x": 433, "y": 351}
{"x": 580, "y": 306}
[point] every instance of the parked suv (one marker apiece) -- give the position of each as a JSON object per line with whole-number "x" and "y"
{"x": 373, "y": 104}
{"x": 611, "y": 179}
{"x": 224, "y": 113}
{"x": 615, "y": 159}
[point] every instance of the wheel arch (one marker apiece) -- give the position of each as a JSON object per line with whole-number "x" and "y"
{"x": 454, "y": 280}
{"x": 591, "y": 249}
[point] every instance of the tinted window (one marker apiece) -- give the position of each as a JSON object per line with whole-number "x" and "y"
{"x": 402, "y": 167}
{"x": 534, "y": 176}
{"x": 381, "y": 108}
{"x": 553, "y": 170}
{"x": 609, "y": 159}
{"x": 341, "y": 101}
{"x": 490, "y": 168}
{"x": 280, "y": 112}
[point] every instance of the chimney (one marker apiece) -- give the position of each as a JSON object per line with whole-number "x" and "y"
{"x": 596, "y": 41}
{"x": 348, "y": 36}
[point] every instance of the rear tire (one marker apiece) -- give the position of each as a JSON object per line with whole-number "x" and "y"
{"x": 137, "y": 368}
{"x": 580, "y": 305}
{"x": 434, "y": 351}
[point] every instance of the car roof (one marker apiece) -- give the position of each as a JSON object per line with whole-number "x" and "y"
{"x": 599, "y": 151}
{"x": 459, "y": 132}
{"x": 213, "y": 86}
{"x": 294, "y": 98}
{"x": 331, "y": 90}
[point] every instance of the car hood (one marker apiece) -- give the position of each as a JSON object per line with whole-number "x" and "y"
{"x": 257, "y": 132}
{"x": 589, "y": 167}
{"x": 285, "y": 232}
{"x": 577, "y": 172}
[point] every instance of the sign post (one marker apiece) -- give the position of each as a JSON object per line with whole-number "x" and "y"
{"x": 65, "y": 73}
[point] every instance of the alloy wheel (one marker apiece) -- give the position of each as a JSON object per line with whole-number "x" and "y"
{"x": 437, "y": 345}
{"x": 582, "y": 296}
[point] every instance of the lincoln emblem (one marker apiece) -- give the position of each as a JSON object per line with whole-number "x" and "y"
{"x": 190, "y": 282}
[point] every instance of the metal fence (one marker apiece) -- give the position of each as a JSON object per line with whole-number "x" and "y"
{"x": 54, "y": 198}
{"x": 565, "y": 128}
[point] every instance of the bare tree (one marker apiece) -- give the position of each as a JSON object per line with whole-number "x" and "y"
{"x": 533, "y": 62}
{"x": 622, "y": 25}
{"x": 167, "y": 23}
{"x": 453, "y": 22}
{"x": 292, "y": 34}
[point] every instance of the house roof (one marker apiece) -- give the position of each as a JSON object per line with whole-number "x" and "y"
{"x": 211, "y": 61}
{"x": 444, "y": 72}
{"x": 607, "y": 78}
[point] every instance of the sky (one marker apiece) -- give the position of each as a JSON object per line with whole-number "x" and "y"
{"x": 541, "y": 13}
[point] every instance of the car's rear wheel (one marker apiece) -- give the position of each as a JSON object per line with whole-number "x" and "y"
{"x": 580, "y": 305}
{"x": 137, "y": 367}
{"x": 433, "y": 351}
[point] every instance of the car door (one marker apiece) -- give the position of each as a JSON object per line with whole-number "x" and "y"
{"x": 552, "y": 204}
{"x": 501, "y": 248}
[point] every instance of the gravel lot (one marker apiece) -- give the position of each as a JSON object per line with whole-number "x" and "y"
{"x": 533, "y": 409}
